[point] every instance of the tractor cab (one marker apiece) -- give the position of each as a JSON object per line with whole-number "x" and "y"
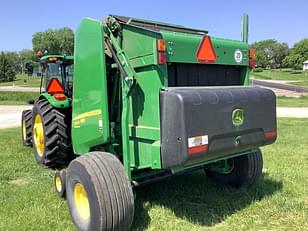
{"x": 57, "y": 73}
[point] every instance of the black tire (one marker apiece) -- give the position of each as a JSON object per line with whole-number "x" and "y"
{"x": 245, "y": 172}
{"x": 56, "y": 142}
{"x": 108, "y": 190}
{"x": 26, "y": 127}
{"x": 60, "y": 183}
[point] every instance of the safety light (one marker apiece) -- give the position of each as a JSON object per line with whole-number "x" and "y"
{"x": 161, "y": 45}
{"x": 54, "y": 86}
{"x": 206, "y": 52}
{"x": 162, "y": 58}
{"x": 271, "y": 134}
{"x": 252, "y": 53}
{"x": 39, "y": 53}
{"x": 52, "y": 59}
{"x": 252, "y": 56}
{"x": 59, "y": 96}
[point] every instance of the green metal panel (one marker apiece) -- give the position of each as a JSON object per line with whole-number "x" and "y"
{"x": 55, "y": 103}
{"x": 144, "y": 117}
{"x": 90, "y": 125}
{"x": 183, "y": 48}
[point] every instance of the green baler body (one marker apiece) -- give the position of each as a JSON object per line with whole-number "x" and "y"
{"x": 91, "y": 125}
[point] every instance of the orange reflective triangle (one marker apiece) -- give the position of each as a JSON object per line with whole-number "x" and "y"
{"x": 206, "y": 52}
{"x": 54, "y": 86}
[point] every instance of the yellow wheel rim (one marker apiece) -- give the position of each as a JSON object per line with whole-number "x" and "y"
{"x": 81, "y": 201}
{"x": 24, "y": 133}
{"x": 38, "y": 135}
{"x": 58, "y": 184}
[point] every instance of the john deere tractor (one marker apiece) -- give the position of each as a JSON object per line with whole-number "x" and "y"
{"x": 46, "y": 125}
{"x": 149, "y": 100}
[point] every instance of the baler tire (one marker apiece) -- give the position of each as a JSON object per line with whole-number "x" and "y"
{"x": 56, "y": 138}
{"x": 101, "y": 179}
{"x": 60, "y": 183}
{"x": 246, "y": 170}
{"x": 26, "y": 127}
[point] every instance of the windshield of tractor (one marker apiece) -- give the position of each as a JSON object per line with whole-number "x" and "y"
{"x": 63, "y": 72}
{"x": 54, "y": 70}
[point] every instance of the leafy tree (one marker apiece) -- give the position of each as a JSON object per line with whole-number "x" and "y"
{"x": 7, "y": 70}
{"x": 270, "y": 53}
{"x": 27, "y": 59}
{"x": 298, "y": 55}
{"x": 14, "y": 60}
{"x": 59, "y": 41}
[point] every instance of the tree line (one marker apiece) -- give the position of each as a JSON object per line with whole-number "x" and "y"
{"x": 58, "y": 41}
{"x": 272, "y": 54}
{"x": 269, "y": 53}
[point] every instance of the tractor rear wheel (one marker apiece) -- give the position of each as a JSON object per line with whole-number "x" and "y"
{"x": 99, "y": 194}
{"x": 50, "y": 135}
{"x": 243, "y": 170}
{"x": 26, "y": 127}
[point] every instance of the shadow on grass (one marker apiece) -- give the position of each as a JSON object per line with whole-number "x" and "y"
{"x": 197, "y": 199}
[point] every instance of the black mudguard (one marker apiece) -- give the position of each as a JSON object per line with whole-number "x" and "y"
{"x": 204, "y": 117}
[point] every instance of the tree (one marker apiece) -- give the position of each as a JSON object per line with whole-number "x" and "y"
{"x": 270, "y": 53}
{"x": 59, "y": 41}
{"x": 28, "y": 59}
{"x": 14, "y": 60}
{"x": 7, "y": 71}
{"x": 298, "y": 55}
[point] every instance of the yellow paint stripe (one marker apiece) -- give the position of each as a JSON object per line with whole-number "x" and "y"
{"x": 88, "y": 114}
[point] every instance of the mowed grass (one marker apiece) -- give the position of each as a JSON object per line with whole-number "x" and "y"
{"x": 16, "y": 98}
{"x": 279, "y": 201}
{"x": 23, "y": 81}
{"x": 283, "y": 101}
{"x": 284, "y": 74}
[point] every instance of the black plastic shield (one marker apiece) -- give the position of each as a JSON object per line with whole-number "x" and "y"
{"x": 232, "y": 119}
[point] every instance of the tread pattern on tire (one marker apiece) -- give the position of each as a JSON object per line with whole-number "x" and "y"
{"x": 27, "y": 117}
{"x": 113, "y": 189}
{"x": 57, "y": 139}
{"x": 247, "y": 170}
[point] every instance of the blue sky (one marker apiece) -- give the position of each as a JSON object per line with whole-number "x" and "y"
{"x": 285, "y": 21}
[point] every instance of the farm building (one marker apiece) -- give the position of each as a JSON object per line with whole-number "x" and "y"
{"x": 305, "y": 65}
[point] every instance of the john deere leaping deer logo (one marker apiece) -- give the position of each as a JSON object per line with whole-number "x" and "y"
{"x": 238, "y": 117}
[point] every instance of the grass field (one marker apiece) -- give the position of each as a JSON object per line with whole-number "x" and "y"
{"x": 16, "y": 98}
{"x": 284, "y": 74}
{"x": 279, "y": 201}
{"x": 283, "y": 101}
{"x": 24, "y": 81}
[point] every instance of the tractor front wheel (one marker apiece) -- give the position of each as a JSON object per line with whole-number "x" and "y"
{"x": 26, "y": 127}
{"x": 51, "y": 141}
{"x": 99, "y": 194}
{"x": 239, "y": 171}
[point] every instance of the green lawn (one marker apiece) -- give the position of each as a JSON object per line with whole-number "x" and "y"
{"x": 279, "y": 201}
{"x": 284, "y": 74}
{"x": 16, "y": 98}
{"x": 23, "y": 81}
{"x": 283, "y": 101}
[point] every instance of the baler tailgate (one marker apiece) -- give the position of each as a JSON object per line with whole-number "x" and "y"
{"x": 202, "y": 124}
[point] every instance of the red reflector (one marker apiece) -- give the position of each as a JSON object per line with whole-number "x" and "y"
{"x": 59, "y": 96}
{"x": 206, "y": 52}
{"x": 54, "y": 86}
{"x": 252, "y": 64}
{"x": 162, "y": 58}
{"x": 271, "y": 134}
{"x": 197, "y": 149}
